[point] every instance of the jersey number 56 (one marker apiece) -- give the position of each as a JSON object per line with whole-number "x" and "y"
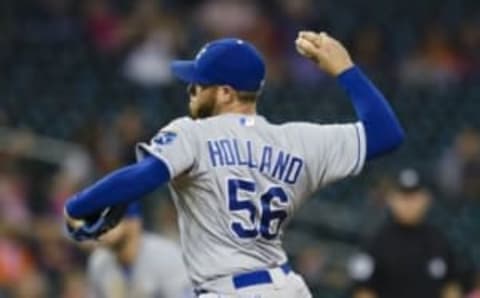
{"x": 265, "y": 223}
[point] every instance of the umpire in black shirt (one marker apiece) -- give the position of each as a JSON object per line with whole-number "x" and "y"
{"x": 408, "y": 258}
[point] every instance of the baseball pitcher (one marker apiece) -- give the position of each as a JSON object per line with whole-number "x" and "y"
{"x": 237, "y": 179}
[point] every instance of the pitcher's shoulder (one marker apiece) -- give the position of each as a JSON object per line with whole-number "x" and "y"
{"x": 185, "y": 125}
{"x": 188, "y": 122}
{"x": 220, "y": 121}
{"x": 243, "y": 120}
{"x": 299, "y": 125}
{"x": 180, "y": 123}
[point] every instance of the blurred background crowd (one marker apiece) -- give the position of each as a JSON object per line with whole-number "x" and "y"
{"x": 82, "y": 81}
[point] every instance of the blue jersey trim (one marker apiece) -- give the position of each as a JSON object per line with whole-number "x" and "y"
{"x": 357, "y": 162}
{"x": 383, "y": 131}
{"x": 257, "y": 277}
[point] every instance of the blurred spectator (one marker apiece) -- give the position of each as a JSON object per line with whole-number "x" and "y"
{"x": 408, "y": 257}
{"x": 76, "y": 170}
{"x": 77, "y": 166}
{"x": 148, "y": 64}
{"x": 133, "y": 263}
{"x": 32, "y": 285}
{"x": 434, "y": 62}
{"x": 53, "y": 254}
{"x": 51, "y": 247}
{"x": 13, "y": 199}
{"x": 61, "y": 188}
{"x": 106, "y": 29}
{"x": 16, "y": 261}
{"x": 220, "y": 18}
{"x": 459, "y": 167}
{"x": 245, "y": 19}
{"x": 310, "y": 263}
{"x": 74, "y": 285}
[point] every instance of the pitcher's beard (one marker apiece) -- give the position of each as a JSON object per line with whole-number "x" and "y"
{"x": 205, "y": 110}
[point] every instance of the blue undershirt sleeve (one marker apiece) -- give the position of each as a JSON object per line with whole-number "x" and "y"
{"x": 120, "y": 187}
{"x": 382, "y": 128}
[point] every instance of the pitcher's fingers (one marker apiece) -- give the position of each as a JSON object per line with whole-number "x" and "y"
{"x": 305, "y": 47}
{"x": 319, "y": 40}
{"x": 311, "y": 36}
{"x": 306, "y": 33}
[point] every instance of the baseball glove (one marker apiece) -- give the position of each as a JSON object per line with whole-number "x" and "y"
{"x": 93, "y": 226}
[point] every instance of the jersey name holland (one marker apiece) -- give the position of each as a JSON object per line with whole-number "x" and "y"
{"x": 238, "y": 179}
{"x": 275, "y": 163}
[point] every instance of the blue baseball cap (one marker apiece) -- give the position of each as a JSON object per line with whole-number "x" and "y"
{"x": 227, "y": 61}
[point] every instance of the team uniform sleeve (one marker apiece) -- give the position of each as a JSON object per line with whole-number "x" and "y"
{"x": 174, "y": 144}
{"x": 333, "y": 151}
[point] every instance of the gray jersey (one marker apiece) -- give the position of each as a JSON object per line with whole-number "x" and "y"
{"x": 238, "y": 179}
{"x": 158, "y": 272}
